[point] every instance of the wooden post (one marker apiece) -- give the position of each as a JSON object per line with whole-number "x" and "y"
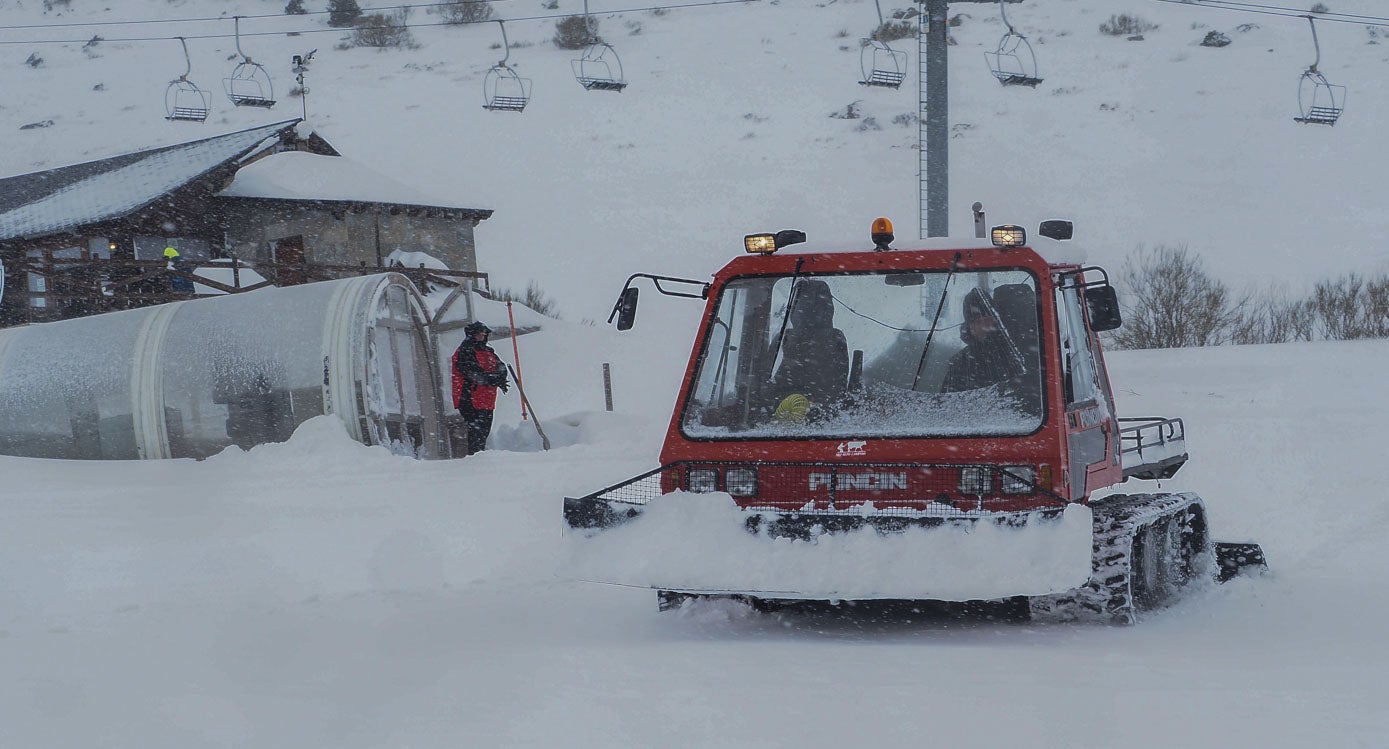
{"x": 607, "y": 386}
{"x": 516, "y": 354}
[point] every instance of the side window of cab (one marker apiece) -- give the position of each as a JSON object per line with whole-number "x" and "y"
{"x": 1078, "y": 372}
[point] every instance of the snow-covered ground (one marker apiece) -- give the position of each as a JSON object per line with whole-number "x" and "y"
{"x": 322, "y": 593}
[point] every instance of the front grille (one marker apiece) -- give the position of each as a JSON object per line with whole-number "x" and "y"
{"x": 893, "y": 489}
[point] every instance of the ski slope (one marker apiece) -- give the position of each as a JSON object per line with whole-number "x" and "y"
{"x": 319, "y": 592}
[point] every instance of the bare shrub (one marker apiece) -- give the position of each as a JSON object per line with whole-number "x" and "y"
{"x": 382, "y": 30}
{"x": 533, "y": 297}
{"x": 1272, "y": 317}
{"x": 575, "y": 32}
{"x": 1215, "y": 39}
{"x": 1124, "y": 24}
{"x": 1173, "y": 302}
{"x": 1351, "y": 307}
{"x": 466, "y": 11}
{"x": 891, "y": 31}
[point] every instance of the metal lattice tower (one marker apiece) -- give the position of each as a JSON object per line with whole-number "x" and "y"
{"x": 933, "y": 121}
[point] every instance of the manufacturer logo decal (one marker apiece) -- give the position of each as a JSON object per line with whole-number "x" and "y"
{"x": 863, "y": 481}
{"x": 852, "y": 448}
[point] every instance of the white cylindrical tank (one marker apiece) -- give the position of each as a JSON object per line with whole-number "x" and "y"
{"x": 191, "y": 378}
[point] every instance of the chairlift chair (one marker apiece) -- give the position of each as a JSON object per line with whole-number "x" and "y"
{"x": 881, "y": 64}
{"x": 1319, "y": 101}
{"x": 249, "y": 84}
{"x": 598, "y": 68}
{"x": 183, "y": 100}
{"x": 502, "y": 89}
{"x": 1013, "y": 62}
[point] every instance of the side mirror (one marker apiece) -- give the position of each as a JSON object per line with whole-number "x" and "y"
{"x": 1103, "y": 305}
{"x": 627, "y": 308}
{"x": 1057, "y": 229}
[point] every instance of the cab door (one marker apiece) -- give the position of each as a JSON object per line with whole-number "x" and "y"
{"x": 1090, "y": 426}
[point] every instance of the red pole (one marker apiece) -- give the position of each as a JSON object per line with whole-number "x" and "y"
{"x": 516, "y": 354}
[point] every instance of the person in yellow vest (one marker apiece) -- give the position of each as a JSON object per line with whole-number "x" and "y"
{"x": 178, "y": 284}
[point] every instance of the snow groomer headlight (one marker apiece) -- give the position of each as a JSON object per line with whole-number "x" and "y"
{"x": 1018, "y": 479}
{"x": 766, "y": 244}
{"x": 702, "y": 480}
{"x": 976, "y": 480}
{"x": 741, "y": 482}
{"x": 1009, "y": 236}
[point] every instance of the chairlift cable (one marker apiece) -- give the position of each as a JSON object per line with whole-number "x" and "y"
{"x": 1275, "y": 10}
{"x": 543, "y": 17}
{"x": 212, "y": 19}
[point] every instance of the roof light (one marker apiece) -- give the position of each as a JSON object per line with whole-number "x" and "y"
{"x": 766, "y": 244}
{"x": 1009, "y": 235}
{"x": 882, "y": 234}
{"x": 760, "y": 244}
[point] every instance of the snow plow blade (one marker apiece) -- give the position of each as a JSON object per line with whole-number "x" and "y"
{"x": 706, "y": 544}
{"x": 1235, "y": 558}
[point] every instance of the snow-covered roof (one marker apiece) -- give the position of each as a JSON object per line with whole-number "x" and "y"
{"x": 48, "y": 202}
{"x": 299, "y": 175}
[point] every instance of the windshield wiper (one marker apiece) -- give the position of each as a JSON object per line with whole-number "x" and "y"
{"x": 785, "y": 316}
{"x": 931, "y": 334}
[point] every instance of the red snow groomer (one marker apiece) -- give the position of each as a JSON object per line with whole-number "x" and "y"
{"x": 948, "y": 406}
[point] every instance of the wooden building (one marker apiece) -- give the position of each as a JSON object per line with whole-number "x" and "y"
{"x": 268, "y": 205}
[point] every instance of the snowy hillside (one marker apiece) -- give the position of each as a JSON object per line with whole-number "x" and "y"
{"x": 726, "y": 128}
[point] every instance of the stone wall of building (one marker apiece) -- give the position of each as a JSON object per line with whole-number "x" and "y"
{"x": 334, "y": 236}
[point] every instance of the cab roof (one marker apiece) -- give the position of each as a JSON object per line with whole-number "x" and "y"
{"x": 1051, "y": 250}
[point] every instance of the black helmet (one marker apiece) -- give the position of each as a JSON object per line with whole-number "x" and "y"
{"x": 475, "y": 327}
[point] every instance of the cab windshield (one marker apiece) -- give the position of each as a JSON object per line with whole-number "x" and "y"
{"x": 918, "y": 354}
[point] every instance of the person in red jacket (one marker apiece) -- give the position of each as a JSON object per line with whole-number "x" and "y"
{"x": 478, "y": 374}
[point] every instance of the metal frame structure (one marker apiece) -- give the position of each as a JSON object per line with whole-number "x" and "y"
{"x": 881, "y": 64}
{"x": 1013, "y": 62}
{"x": 183, "y": 100}
{"x": 598, "y": 68}
{"x": 502, "y": 89}
{"x": 1319, "y": 101}
{"x": 249, "y": 84}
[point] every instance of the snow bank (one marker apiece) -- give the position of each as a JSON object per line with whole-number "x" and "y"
{"x": 698, "y": 543}
{"x": 580, "y": 428}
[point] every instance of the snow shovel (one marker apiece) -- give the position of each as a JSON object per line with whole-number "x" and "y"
{"x": 535, "y": 419}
